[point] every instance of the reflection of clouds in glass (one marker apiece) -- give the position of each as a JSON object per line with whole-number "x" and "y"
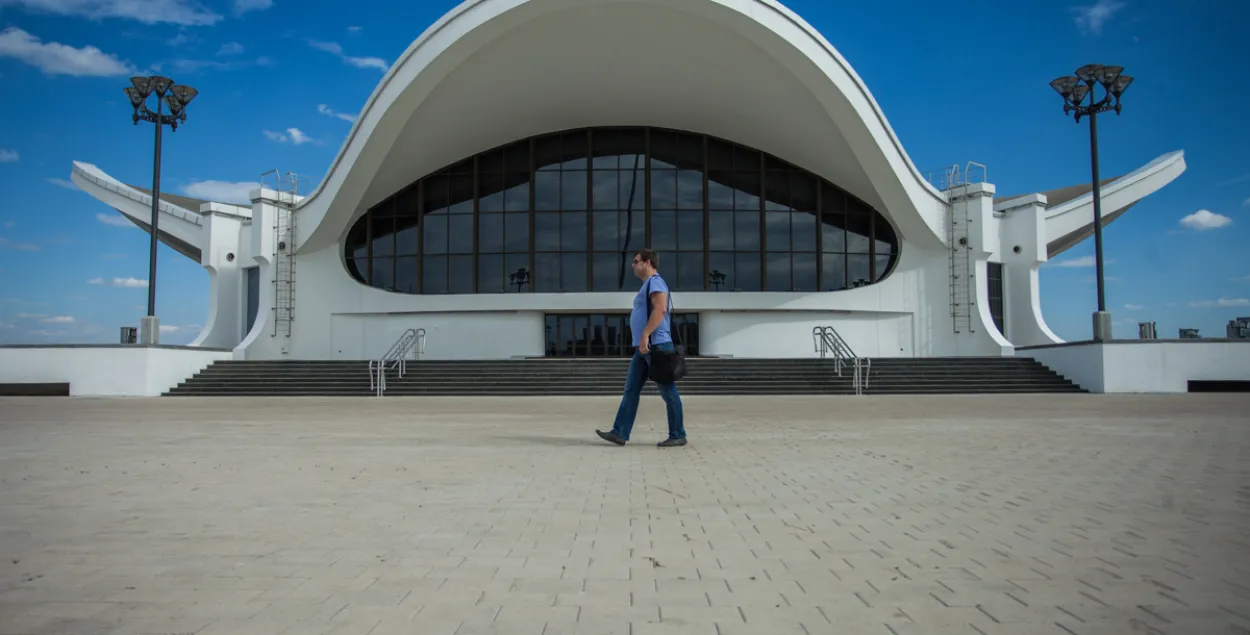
{"x": 719, "y": 195}
{"x": 690, "y": 189}
{"x": 568, "y": 202}
{"x": 663, "y": 189}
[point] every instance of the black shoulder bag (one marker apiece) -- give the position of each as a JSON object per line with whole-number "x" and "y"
{"x": 666, "y": 367}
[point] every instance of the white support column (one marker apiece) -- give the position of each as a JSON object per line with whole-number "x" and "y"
{"x": 259, "y": 242}
{"x": 220, "y": 256}
{"x": 1023, "y": 251}
{"x": 983, "y": 242}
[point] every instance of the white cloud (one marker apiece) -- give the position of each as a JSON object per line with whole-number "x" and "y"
{"x": 9, "y": 225}
{"x": 360, "y": 62}
{"x": 128, "y": 283}
{"x": 116, "y": 220}
{"x": 58, "y": 319}
{"x": 1083, "y": 261}
{"x": 244, "y": 6}
{"x": 354, "y": 29}
{"x": 1222, "y": 302}
{"x": 65, "y": 183}
{"x": 170, "y": 328}
{"x": 1203, "y": 220}
{"x": 230, "y": 48}
{"x": 185, "y": 12}
{"x": 222, "y": 191}
{"x": 1091, "y": 18}
{"x": 8, "y": 156}
{"x": 1246, "y": 203}
{"x": 1133, "y": 307}
{"x": 5, "y": 243}
{"x": 326, "y": 110}
{"x": 292, "y": 135}
{"x": 54, "y": 58}
{"x": 29, "y": 316}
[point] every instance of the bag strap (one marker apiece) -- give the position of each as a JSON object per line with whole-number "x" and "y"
{"x": 673, "y": 330}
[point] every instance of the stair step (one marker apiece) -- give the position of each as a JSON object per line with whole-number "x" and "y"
{"x": 600, "y": 376}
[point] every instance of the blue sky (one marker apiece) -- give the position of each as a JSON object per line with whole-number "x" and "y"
{"x": 280, "y": 82}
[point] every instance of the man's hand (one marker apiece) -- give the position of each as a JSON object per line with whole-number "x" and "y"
{"x": 645, "y": 345}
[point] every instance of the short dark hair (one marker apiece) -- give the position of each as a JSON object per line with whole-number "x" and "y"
{"x": 647, "y": 255}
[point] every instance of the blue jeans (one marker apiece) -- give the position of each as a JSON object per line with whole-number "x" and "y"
{"x": 639, "y": 367}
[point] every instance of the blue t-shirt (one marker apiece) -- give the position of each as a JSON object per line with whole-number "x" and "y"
{"x": 638, "y": 317}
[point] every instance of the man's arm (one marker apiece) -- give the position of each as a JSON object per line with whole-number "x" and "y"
{"x": 659, "y": 306}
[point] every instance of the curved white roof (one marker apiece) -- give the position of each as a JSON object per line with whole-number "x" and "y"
{"x": 494, "y": 71}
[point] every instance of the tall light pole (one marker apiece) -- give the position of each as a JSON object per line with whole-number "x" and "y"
{"x": 177, "y": 97}
{"x": 1074, "y": 90}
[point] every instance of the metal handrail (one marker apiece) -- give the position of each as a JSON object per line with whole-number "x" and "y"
{"x": 828, "y": 340}
{"x": 411, "y": 341}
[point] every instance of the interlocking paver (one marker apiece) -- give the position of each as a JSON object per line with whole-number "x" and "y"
{"x": 1030, "y": 515}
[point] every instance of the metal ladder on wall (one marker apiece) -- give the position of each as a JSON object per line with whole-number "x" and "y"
{"x": 961, "y": 266}
{"x": 288, "y": 187}
{"x": 830, "y": 343}
{"x": 411, "y": 341}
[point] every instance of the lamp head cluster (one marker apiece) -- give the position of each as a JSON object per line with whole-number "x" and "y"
{"x": 1074, "y": 89}
{"x": 176, "y": 96}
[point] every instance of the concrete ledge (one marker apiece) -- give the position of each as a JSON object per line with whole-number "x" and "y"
{"x": 1145, "y": 366}
{"x": 104, "y": 370}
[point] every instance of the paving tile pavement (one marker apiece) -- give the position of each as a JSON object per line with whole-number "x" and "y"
{"x": 976, "y": 515}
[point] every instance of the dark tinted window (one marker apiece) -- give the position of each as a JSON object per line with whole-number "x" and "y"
{"x": 565, "y": 212}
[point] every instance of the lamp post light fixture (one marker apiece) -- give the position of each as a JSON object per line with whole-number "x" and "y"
{"x": 1074, "y": 90}
{"x": 177, "y": 97}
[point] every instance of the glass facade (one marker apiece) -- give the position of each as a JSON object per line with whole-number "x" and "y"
{"x": 565, "y": 212}
{"x": 609, "y": 335}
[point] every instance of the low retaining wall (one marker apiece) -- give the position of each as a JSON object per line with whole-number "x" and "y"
{"x": 103, "y": 370}
{"x": 1145, "y": 366}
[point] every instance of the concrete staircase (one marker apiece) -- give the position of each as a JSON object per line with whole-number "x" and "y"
{"x": 707, "y": 376}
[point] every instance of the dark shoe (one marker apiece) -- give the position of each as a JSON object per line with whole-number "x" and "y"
{"x": 670, "y": 443}
{"x": 610, "y": 436}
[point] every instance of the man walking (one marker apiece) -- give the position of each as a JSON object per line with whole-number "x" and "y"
{"x": 649, "y": 333}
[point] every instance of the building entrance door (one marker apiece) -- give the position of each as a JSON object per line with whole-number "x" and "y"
{"x": 608, "y": 334}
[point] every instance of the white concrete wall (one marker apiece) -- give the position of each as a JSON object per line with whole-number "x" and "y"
{"x": 1157, "y": 366}
{"x": 908, "y": 314}
{"x": 257, "y": 247}
{"x": 1081, "y": 364}
{"x": 1022, "y": 225}
{"x": 789, "y": 334}
{"x": 479, "y": 335}
{"x": 220, "y": 256}
{"x": 105, "y": 371}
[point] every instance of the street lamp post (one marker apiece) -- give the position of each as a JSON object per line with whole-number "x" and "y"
{"x": 177, "y": 97}
{"x": 1074, "y": 89}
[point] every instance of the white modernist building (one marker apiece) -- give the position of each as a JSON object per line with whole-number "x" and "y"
{"x": 499, "y": 179}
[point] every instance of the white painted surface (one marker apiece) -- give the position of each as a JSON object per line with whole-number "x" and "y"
{"x": 447, "y": 335}
{"x": 1077, "y": 215}
{"x": 1022, "y": 225}
{"x": 789, "y": 334}
{"x": 224, "y": 325}
{"x": 709, "y": 66}
{"x": 439, "y": 104}
{"x": 105, "y": 371}
{"x": 1081, "y": 364}
{"x": 1148, "y": 366}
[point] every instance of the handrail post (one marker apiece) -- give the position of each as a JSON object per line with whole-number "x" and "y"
{"x": 396, "y": 357}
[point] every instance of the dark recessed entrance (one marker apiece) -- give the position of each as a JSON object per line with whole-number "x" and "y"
{"x": 608, "y": 334}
